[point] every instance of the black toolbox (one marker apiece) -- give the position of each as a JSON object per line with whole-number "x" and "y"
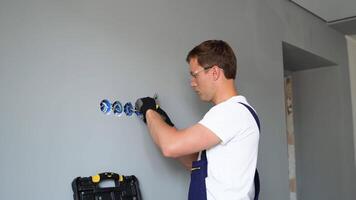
{"x": 88, "y": 188}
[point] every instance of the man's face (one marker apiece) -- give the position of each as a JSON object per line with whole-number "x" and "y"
{"x": 200, "y": 80}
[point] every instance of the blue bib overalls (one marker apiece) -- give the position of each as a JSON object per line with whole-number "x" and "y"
{"x": 197, "y": 188}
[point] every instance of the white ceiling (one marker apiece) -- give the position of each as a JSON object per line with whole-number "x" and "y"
{"x": 330, "y": 10}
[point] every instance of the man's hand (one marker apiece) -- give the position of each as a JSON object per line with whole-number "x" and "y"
{"x": 146, "y": 103}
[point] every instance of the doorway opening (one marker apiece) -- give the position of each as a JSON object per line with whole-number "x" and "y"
{"x": 303, "y": 75}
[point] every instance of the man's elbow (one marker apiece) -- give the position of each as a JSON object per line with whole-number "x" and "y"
{"x": 170, "y": 152}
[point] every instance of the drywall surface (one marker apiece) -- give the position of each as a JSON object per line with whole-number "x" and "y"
{"x": 351, "y": 47}
{"x": 59, "y": 59}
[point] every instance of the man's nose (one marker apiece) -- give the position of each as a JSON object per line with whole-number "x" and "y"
{"x": 193, "y": 83}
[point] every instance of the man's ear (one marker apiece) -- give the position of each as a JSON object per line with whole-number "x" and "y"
{"x": 216, "y": 72}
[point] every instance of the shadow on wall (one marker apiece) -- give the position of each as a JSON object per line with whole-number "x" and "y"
{"x": 296, "y": 59}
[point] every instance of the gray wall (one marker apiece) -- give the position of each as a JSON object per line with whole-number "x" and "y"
{"x": 59, "y": 59}
{"x": 324, "y": 149}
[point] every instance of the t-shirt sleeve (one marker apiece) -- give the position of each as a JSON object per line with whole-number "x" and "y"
{"x": 223, "y": 122}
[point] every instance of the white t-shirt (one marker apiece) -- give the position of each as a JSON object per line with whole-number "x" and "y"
{"x": 232, "y": 163}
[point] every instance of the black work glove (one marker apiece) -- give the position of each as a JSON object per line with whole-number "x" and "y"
{"x": 146, "y": 103}
{"x": 164, "y": 116}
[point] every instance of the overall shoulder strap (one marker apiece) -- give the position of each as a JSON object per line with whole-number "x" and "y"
{"x": 203, "y": 155}
{"x": 253, "y": 114}
{"x": 256, "y": 178}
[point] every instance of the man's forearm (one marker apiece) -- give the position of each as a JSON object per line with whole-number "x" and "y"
{"x": 162, "y": 134}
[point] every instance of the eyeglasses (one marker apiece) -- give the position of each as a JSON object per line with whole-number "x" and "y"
{"x": 195, "y": 74}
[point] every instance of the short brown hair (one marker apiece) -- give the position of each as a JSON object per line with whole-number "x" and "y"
{"x": 215, "y": 52}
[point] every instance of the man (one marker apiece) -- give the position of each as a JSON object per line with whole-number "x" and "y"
{"x": 227, "y": 137}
